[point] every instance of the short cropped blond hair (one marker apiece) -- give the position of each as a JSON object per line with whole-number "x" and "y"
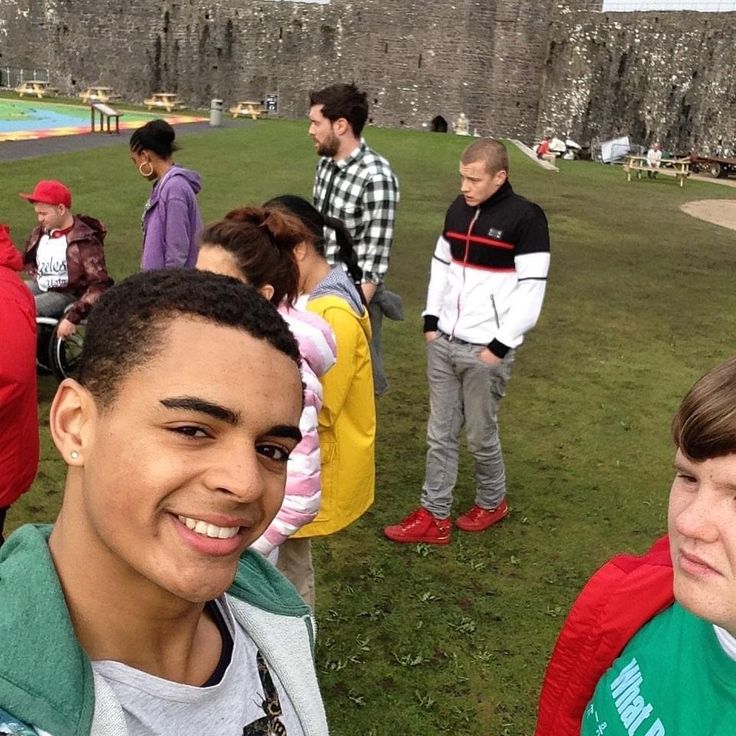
{"x": 488, "y": 150}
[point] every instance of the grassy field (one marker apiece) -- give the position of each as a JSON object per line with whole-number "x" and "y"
{"x": 418, "y": 640}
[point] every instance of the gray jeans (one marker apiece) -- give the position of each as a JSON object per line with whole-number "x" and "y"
{"x": 49, "y": 303}
{"x": 463, "y": 391}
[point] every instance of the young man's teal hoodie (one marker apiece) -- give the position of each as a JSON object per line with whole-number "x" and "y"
{"x": 47, "y": 685}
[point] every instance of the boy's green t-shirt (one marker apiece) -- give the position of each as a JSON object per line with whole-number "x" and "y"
{"x": 672, "y": 679}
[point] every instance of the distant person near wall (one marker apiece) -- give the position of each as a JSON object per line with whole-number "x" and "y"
{"x": 654, "y": 160}
{"x": 543, "y": 151}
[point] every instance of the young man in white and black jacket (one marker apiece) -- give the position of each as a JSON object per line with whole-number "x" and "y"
{"x": 487, "y": 284}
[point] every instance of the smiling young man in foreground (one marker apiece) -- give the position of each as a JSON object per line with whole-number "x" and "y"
{"x": 649, "y": 648}
{"x": 141, "y": 612}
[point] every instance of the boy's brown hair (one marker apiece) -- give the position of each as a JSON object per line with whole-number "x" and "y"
{"x": 704, "y": 426}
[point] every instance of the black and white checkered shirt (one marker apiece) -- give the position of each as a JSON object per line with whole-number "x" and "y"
{"x": 364, "y": 196}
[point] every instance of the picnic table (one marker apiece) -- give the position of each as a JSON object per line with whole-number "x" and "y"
{"x": 98, "y": 94}
{"x": 37, "y": 87}
{"x": 167, "y": 100}
{"x": 639, "y": 164}
{"x": 253, "y": 108}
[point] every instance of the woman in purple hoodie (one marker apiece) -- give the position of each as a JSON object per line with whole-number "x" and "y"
{"x": 171, "y": 220}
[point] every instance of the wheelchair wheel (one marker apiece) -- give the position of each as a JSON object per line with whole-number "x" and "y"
{"x": 45, "y": 330}
{"x": 64, "y": 353}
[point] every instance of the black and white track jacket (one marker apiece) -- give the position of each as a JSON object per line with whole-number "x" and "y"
{"x": 489, "y": 271}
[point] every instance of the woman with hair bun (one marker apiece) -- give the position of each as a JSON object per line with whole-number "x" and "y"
{"x": 347, "y": 422}
{"x": 256, "y": 245}
{"x": 171, "y": 220}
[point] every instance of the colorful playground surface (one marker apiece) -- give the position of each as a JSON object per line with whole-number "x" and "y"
{"x": 24, "y": 120}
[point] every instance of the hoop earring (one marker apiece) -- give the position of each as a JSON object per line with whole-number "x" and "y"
{"x": 142, "y": 173}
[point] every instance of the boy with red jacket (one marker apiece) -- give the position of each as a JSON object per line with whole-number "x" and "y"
{"x": 649, "y": 647}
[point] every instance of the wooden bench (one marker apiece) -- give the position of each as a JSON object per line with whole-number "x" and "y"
{"x": 107, "y": 115}
{"x": 35, "y": 87}
{"x": 248, "y": 107}
{"x": 677, "y": 167}
{"x": 166, "y": 100}
{"x": 98, "y": 94}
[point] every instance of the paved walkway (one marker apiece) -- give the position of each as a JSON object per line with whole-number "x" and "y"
{"x": 713, "y": 180}
{"x": 16, "y": 150}
{"x": 666, "y": 171}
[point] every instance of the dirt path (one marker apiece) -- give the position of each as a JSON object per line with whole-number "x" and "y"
{"x": 718, "y": 211}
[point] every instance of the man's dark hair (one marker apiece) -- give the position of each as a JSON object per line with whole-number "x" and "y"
{"x": 342, "y": 101}
{"x": 126, "y": 328}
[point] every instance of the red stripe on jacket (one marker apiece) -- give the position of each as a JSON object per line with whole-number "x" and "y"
{"x": 479, "y": 239}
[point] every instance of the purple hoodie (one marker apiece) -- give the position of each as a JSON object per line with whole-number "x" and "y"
{"x": 171, "y": 221}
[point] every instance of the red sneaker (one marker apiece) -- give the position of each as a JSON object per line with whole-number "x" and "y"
{"x": 478, "y": 519}
{"x": 420, "y": 526}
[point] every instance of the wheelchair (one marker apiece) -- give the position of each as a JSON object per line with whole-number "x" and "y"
{"x": 56, "y": 355}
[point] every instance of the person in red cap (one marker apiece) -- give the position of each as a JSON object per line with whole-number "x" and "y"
{"x": 18, "y": 403}
{"x": 64, "y": 256}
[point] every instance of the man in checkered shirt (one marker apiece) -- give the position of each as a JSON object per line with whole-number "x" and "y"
{"x": 356, "y": 185}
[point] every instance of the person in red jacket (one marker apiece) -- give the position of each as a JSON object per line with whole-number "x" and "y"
{"x": 18, "y": 402}
{"x": 649, "y": 647}
{"x": 543, "y": 151}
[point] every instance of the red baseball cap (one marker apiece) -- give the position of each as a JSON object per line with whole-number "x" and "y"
{"x": 49, "y": 191}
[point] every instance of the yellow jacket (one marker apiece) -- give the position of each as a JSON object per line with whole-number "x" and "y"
{"x": 347, "y": 421}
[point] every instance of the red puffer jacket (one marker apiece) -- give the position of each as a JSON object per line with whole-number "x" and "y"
{"x": 615, "y": 603}
{"x": 18, "y": 400}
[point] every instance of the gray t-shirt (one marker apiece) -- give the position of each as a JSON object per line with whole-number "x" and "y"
{"x": 241, "y": 703}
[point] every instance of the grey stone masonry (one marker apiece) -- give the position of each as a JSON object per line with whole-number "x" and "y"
{"x": 514, "y": 68}
{"x": 656, "y": 76}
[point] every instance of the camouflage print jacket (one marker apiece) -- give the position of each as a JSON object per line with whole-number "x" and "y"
{"x": 88, "y": 278}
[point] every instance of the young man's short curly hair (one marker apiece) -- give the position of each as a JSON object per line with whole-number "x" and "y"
{"x": 342, "y": 101}
{"x": 126, "y": 328}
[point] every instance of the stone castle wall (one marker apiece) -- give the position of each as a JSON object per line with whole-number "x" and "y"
{"x": 654, "y": 75}
{"x": 514, "y": 68}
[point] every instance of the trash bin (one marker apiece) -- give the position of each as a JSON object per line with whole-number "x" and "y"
{"x": 216, "y": 113}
